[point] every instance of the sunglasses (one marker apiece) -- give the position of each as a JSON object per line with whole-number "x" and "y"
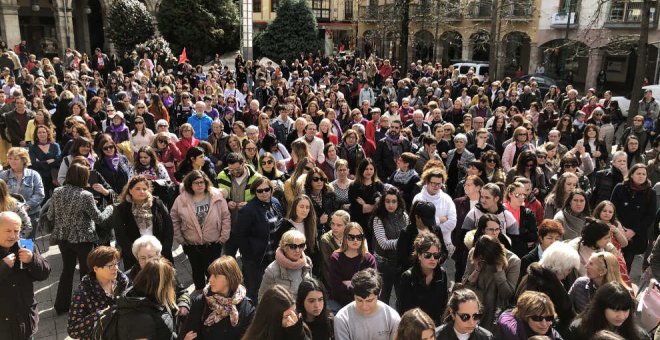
{"x": 491, "y": 160}
{"x": 317, "y": 179}
{"x": 267, "y": 162}
{"x": 261, "y": 191}
{"x": 293, "y": 246}
{"x": 352, "y": 237}
{"x": 139, "y": 123}
{"x": 428, "y": 255}
{"x": 108, "y": 147}
{"x": 604, "y": 261}
{"x": 568, "y": 166}
{"x": 465, "y": 317}
{"x": 539, "y": 318}
{"x": 541, "y": 157}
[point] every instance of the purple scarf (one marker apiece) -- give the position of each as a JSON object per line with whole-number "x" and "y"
{"x": 112, "y": 162}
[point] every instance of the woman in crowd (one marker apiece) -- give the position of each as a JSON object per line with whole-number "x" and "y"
{"x": 493, "y": 272}
{"x": 634, "y": 151}
{"x": 611, "y": 309}
{"x": 635, "y": 202}
{"x": 602, "y": 267}
{"x": 594, "y": 237}
{"x": 595, "y": 147}
{"x": 421, "y": 220}
{"x": 527, "y": 167}
{"x": 112, "y": 165}
{"x": 167, "y": 153}
{"x": 9, "y": 203}
{"x": 117, "y": 128}
{"x": 268, "y": 168}
{"x": 556, "y": 200}
{"x": 525, "y": 239}
{"x": 352, "y": 257}
{"x": 425, "y": 284}
{"x": 147, "y": 165}
{"x": 311, "y": 303}
{"x": 494, "y": 171}
{"x": 222, "y": 310}
{"x": 405, "y": 177}
{"x": 519, "y": 143}
{"x": 45, "y": 157}
{"x": 341, "y": 184}
{"x": 329, "y": 164}
{"x": 548, "y": 275}
{"x": 25, "y": 182}
{"x": 195, "y": 159}
{"x": 141, "y": 135}
{"x": 581, "y": 166}
{"x": 606, "y": 212}
{"x": 533, "y": 315}
{"x": 147, "y": 309}
{"x": 139, "y": 213}
{"x": 98, "y": 289}
{"x": 74, "y": 216}
{"x": 277, "y": 149}
{"x": 415, "y": 324}
{"x": 81, "y": 147}
{"x": 295, "y": 184}
{"x": 350, "y": 150}
{"x": 254, "y": 232}
{"x": 278, "y": 317}
{"x": 462, "y": 318}
{"x": 187, "y": 139}
{"x": 363, "y": 193}
{"x": 573, "y": 216}
{"x": 291, "y": 265}
{"x": 201, "y": 221}
{"x": 332, "y": 240}
{"x": 322, "y": 196}
{"x": 250, "y": 153}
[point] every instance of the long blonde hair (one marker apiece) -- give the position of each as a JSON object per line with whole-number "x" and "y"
{"x": 7, "y": 202}
{"x": 608, "y": 262}
{"x": 157, "y": 280}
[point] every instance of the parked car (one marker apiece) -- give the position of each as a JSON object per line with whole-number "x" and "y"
{"x": 544, "y": 82}
{"x": 624, "y": 102}
{"x": 480, "y": 68}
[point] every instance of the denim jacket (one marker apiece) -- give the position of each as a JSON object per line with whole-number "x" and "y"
{"x": 31, "y": 188}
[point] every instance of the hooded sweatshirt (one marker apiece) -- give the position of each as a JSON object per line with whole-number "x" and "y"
{"x": 508, "y": 223}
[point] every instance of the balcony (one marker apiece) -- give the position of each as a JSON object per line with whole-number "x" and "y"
{"x": 628, "y": 14}
{"x": 561, "y": 19}
{"x": 481, "y": 10}
{"x": 518, "y": 11}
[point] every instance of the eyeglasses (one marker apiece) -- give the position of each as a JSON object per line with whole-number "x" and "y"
{"x": 465, "y": 317}
{"x": 435, "y": 184}
{"x": 261, "y": 191}
{"x": 317, "y": 179}
{"x": 539, "y": 318}
{"x": 270, "y": 161}
{"x": 139, "y": 123}
{"x": 202, "y": 182}
{"x": 108, "y": 147}
{"x": 352, "y": 237}
{"x": 541, "y": 157}
{"x": 518, "y": 195}
{"x": 252, "y": 148}
{"x": 428, "y": 255}
{"x": 111, "y": 265}
{"x": 293, "y": 246}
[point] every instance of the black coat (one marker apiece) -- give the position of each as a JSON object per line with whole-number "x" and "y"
{"x": 446, "y": 332}
{"x": 18, "y": 311}
{"x": 528, "y": 232}
{"x": 127, "y": 231}
{"x": 384, "y": 157}
{"x": 414, "y": 292}
{"x": 140, "y": 317}
{"x": 251, "y": 229}
{"x": 604, "y": 182}
{"x": 636, "y": 211}
{"x": 116, "y": 179}
{"x": 223, "y": 329}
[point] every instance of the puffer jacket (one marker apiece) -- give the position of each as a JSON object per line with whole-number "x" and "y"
{"x": 276, "y": 274}
{"x": 188, "y": 231}
{"x": 141, "y": 318}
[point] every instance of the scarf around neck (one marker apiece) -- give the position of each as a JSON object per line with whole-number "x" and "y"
{"x": 284, "y": 261}
{"x": 404, "y": 177}
{"x": 222, "y": 306}
{"x": 142, "y": 213}
{"x": 112, "y": 162}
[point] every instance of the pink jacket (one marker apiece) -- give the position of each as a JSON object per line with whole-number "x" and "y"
{"x": 509, "y": 152}
{"x": 187, "y": 230}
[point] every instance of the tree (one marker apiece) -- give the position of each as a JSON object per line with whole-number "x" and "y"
{"x": 293, "y": 31}
{"x": 155, "y": 45}
{"x": 130, "y": 24}
{"x": 203, "y": 27}
{"x": 642, "y": 52}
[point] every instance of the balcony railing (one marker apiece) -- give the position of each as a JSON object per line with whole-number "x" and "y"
{"x": 561, "y": 19}
{"x": 625, "y": 13}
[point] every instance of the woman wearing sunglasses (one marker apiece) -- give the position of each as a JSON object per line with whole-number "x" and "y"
{"x": 424, "y": 285}
{"x": 352, "y": 257}
{"x": 291, "y": 265}
{"x": 533, "y": 315}
{"x": 462, "y": 318}
{"x": 524, "y": 238}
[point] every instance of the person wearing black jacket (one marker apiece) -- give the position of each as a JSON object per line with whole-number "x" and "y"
{"x": 389, "y": 149}
{"x": 222, "y": 311}
{"x": 139, "y": 213}
{"x": 424, "y": 285}
{"x": 19, "y": 269}
{"x": 606, "y": 179}
{"x": 146, "y": 311}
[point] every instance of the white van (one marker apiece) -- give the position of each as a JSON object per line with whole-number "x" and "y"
{"x": 479, "y": 68}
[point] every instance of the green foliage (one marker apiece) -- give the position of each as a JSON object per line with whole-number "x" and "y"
{"x": 293, "y": 31}
{"x": 156, "y": 44}
{"x": 129, "y": 24}
{"x": 203, "y": 27}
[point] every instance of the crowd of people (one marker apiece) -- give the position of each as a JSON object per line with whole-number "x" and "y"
{"x": 321, "y": 198}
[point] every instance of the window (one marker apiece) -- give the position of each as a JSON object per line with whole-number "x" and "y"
{"x": 629, "y": 12}
{"x": 274, "y": 4}
{"x": 569, "y": 5}
{"x": 256, "y": 6}
{"x": 321, "y": 9}
{"x": 348, "y": 9}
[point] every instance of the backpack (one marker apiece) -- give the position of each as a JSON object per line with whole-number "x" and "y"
{"x": 107, "y": 326}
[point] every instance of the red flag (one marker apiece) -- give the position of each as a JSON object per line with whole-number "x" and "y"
{"x": 183, "y": 57}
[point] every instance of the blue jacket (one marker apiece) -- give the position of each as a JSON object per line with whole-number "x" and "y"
{"x": 201, "y": 125}
{"x": 252, "y": 228}
{"x": 31, "y": 188}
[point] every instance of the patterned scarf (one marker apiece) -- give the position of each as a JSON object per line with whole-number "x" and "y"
{"x": 142, "y": 213}
{"x": 222, "y": 306}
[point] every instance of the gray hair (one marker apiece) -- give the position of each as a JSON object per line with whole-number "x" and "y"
{"x": 619, "y": 154}
{"x": 560, "y": 257}
{"x": 146, "y": 240}
{"x": 462, "y": 137}
{"x": 252, "y": 129}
